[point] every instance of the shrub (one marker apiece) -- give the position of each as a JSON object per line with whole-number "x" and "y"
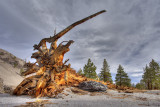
{"x": 21, "y": 71}
{"x": 1, "y": 53}
{"x": 15, "y": 64}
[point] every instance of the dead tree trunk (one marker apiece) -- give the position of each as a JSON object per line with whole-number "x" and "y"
{"x": 51, "y": 72}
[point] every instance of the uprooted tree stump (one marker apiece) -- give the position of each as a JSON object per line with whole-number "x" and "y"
{"x": 51, "y": 73}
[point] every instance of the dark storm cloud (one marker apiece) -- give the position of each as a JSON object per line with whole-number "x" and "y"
{"x": 127, "y": 34}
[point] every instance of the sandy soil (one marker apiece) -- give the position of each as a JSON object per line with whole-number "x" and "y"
{"x": 110, "y": 98}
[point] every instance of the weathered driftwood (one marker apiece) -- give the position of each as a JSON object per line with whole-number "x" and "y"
{"x": 60, "y": 34}
{"x": 30, "y": 68}
{"x": 51, "y": 71}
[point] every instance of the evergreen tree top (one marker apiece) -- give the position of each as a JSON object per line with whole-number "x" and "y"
{"x": 90, "y": 69}
{"x": 122, "y": 78}
{"x": 105, "y": 74}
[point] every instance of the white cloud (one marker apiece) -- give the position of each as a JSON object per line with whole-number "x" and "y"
{"x": 136, "y": 75}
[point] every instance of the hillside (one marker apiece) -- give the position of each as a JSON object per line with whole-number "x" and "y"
{"x": 10, "y": 67}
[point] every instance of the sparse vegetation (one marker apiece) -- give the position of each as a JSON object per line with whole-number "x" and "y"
{"x": 1, "y": 53}
{"x": 15, "y": 64}
{"x": 80, "y": 72}
{"x": 14, "y": 57}
{"x": 140, "y": 85}
{"x": 21, "y": 71}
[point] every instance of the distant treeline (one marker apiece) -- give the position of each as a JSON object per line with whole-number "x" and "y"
{"x": 150, "y": 78}
{"x": 89, "y": 70}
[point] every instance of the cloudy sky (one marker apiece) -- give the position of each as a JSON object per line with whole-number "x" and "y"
{"x": 127, "y": 34}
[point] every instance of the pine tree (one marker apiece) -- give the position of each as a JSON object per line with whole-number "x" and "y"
{"x": 155, "y": 68}
{"x": 140, "y": 85}
{"x": 105, "y": 74}
{"x": 151, "y": 76}
{"x": 80, "y": 72}
{"x": 146, "y": 77}
{"x": 122, "y": 78}
{"x": 90, "y": 70}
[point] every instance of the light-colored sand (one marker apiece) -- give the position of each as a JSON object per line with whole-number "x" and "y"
{"x": 110, "y": 99}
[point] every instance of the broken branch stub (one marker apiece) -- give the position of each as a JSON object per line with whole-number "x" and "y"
{"x": 50, "y": 72}
{"x": 60, "y": 34}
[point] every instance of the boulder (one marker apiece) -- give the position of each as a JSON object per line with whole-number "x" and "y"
{"x": 1, "y": 86}
{"x": 8, "y": 89}
{"x": 92, "y": 86}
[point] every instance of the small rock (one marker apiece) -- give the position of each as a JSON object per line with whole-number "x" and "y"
{"x": 60, "y": 95}
{"x": 92, "y": 86}
{"x": 8, "y": 89}
{"x": 1, "y": 86}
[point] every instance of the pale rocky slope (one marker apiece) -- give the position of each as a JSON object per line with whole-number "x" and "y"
{"x": 10, "y": 67}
